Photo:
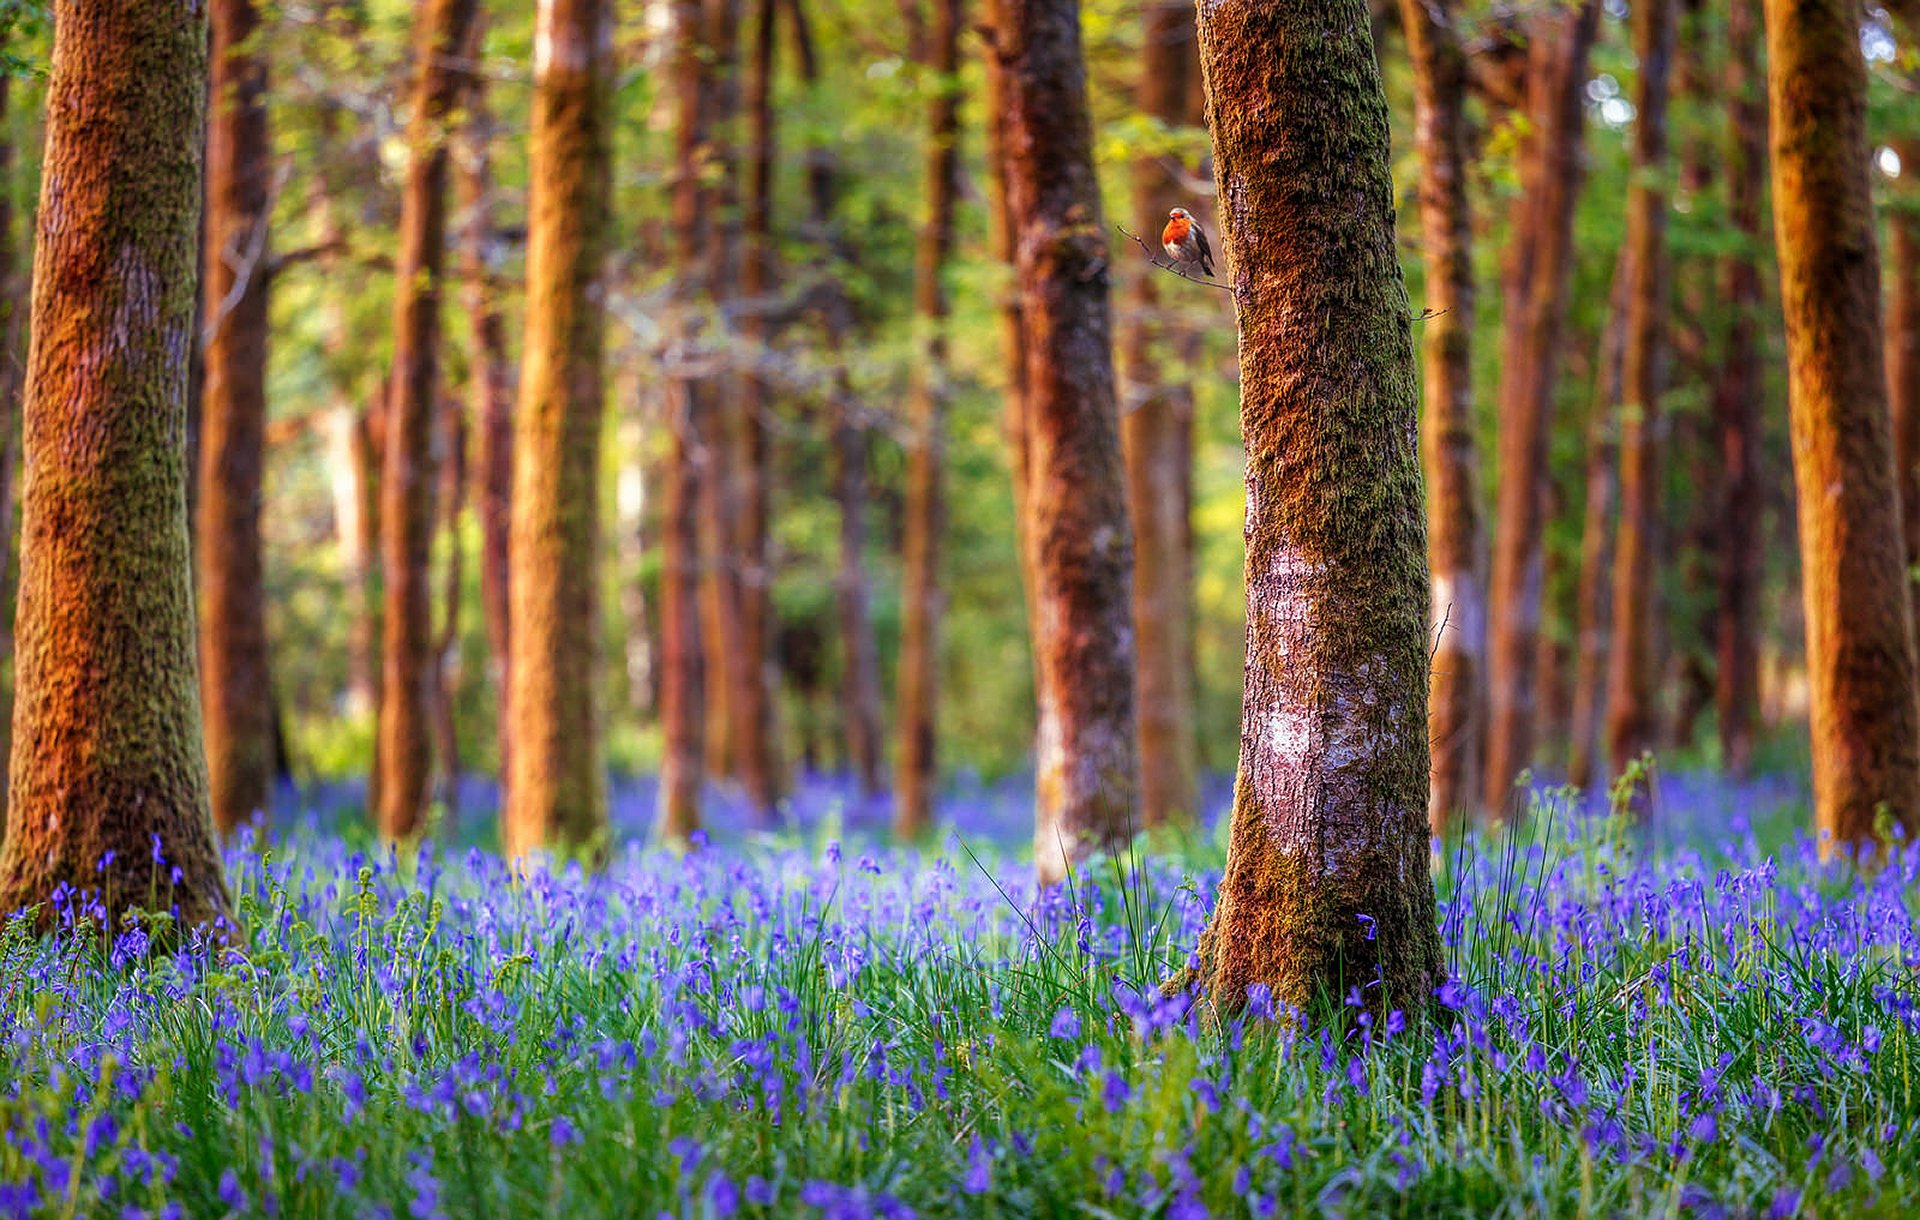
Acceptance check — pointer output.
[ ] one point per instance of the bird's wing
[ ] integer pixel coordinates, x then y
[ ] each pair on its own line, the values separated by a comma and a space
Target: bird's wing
1206, 251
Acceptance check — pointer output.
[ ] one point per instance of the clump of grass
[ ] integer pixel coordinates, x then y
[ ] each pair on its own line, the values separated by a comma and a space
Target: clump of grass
792, 1030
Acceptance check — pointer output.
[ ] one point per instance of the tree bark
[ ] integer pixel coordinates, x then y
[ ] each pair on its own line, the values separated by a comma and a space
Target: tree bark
556, 788
1456, 709
1087, 771
1633, 671
14, 293
1156, 433
922, 600
682, 668
236, 693
1860, 630
494, 383
1739, 400
1593, 635
1326, 882
1538, 269
403, 759
446, 644
108, 779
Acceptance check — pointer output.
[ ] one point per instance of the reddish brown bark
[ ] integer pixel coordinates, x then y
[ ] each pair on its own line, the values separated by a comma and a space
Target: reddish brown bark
1739, 399
1087, 776
1156, 432
446, 661
108, 775
1860, 630
1456, 709
1633, 670
556, 788
921, 600
403, 759
1326, 880
1593, 637
236, 694
1538, 268
13, 301
494, 380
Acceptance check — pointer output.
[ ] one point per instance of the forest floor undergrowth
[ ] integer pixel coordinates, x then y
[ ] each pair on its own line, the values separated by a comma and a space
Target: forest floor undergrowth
1705, 1020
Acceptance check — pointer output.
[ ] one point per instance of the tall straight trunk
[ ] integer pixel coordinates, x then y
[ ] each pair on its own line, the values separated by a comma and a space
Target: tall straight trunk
1739, 399
494, 380
921, 599
1456, 708
1593, 612
1538, 269
108, 780
682, 659
404, 754
556, 785
236, 694
1633, 671
1087, 776
1326, 881
1903, 340
13, 303
1156, 433
1860, 630
755, 745
446, 644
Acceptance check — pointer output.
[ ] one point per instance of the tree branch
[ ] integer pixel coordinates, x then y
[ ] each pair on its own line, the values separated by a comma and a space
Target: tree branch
1171, 267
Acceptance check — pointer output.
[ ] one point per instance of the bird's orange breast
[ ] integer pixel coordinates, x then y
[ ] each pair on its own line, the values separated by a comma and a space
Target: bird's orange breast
1175, 233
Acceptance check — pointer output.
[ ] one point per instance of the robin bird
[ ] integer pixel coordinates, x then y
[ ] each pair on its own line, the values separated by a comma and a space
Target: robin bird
1185, 242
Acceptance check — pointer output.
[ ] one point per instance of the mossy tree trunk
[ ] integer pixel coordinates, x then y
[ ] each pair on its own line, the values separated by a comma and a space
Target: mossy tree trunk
1456, 549
556, 790
107, 769
1156, 433
1326, 885
922, 600
682, 659
1739, 397
235, 690
1860, 630
404, 757
494, 380
1633, 671
1539, 266
1087, 769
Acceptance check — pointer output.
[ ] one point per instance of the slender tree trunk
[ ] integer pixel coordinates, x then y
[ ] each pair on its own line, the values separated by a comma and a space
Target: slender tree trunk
108, 778
494, 382
756, 753
1739, 399
236, 694
1860, 630
922, 600
1539, 266
1087, 776
1594, 609
556, 789
1456, 711
13, 305
682, 676
446, 645
403, 759
1633, 671
1156, 432
1326, 880
1903, 341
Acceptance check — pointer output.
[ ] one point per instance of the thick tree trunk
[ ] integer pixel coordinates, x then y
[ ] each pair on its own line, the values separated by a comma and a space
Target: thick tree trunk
755, 743
1087, 778
556, 787
1156, 432
494, 383
1456, 710
108, 778
1739, 399
1860, 630
403, 759
1538, 269
921, 600
1633, 671
682, 659
1593, 635
236, 694
14, 294
1326, 883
